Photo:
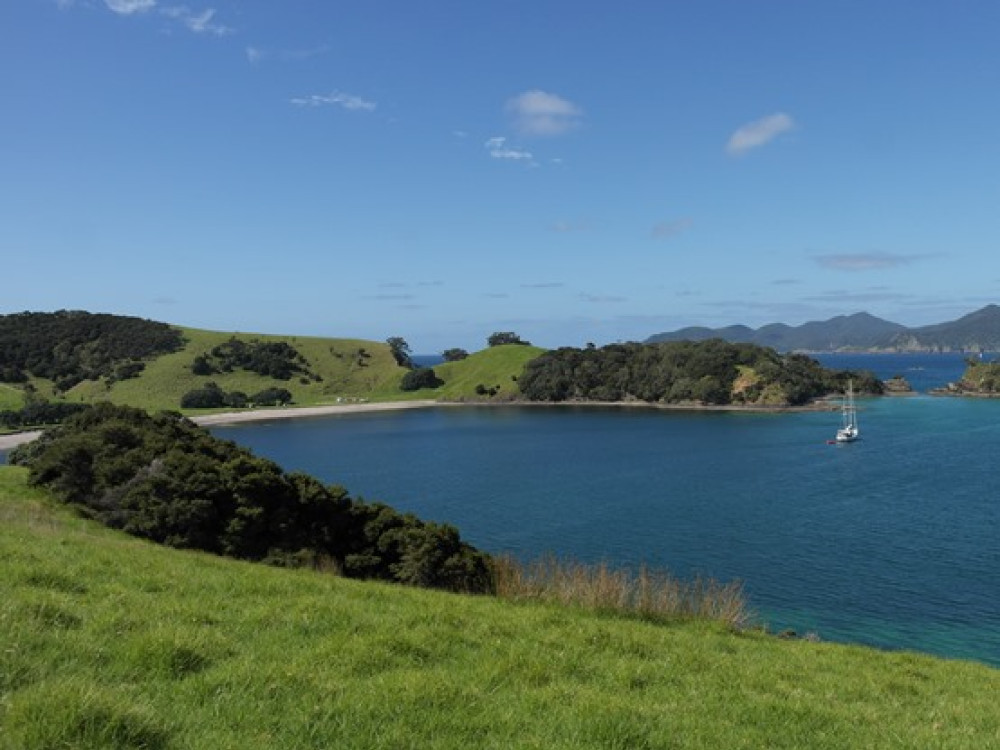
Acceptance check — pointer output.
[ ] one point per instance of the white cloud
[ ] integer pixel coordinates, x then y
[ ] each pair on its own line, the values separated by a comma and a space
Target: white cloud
498, 148
128, 7
757, 133
254, 55
200, 23
540, 113
336, 98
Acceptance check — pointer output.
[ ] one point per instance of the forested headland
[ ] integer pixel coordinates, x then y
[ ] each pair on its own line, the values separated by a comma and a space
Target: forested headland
712, 372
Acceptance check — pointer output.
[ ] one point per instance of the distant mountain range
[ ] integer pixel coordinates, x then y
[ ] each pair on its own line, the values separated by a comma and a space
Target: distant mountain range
976, 332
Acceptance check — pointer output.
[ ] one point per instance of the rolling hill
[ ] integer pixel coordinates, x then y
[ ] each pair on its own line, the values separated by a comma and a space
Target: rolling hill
325, 370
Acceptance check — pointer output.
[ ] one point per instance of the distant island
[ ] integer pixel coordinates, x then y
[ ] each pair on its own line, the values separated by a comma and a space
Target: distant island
978, 331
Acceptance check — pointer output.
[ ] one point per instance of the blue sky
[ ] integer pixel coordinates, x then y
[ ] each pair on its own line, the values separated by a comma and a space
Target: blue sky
571, 171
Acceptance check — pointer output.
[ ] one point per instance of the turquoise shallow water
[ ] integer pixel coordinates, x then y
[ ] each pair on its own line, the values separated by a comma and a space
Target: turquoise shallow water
891, 541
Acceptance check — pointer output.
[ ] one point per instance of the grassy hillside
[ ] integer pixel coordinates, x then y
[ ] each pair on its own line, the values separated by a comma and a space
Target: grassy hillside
348, 369
495, 367
110, 642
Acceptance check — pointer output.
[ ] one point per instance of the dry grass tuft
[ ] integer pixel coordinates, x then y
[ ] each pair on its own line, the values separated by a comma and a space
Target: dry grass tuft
650, 594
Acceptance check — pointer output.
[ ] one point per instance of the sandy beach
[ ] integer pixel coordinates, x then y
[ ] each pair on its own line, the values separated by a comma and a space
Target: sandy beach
12, 441
295, 412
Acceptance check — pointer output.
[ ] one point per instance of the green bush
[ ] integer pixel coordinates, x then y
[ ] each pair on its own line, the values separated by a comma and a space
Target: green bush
422, 377
163, 478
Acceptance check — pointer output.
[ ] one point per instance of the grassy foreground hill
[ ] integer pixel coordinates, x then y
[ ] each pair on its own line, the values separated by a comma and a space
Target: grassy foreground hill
110, 642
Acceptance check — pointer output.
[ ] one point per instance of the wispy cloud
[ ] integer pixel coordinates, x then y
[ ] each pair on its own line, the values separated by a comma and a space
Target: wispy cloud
498, 149
758, 133
335, 99
544, 285
785, 282
664, 230
601, 299
199, 23
128, 7
865, 261
538, 113
258, 54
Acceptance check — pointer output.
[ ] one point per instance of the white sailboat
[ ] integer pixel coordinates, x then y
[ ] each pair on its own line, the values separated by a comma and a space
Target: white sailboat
848, 431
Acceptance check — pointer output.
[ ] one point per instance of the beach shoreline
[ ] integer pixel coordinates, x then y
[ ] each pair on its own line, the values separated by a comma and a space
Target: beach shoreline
296, 412
17, 438
8, 442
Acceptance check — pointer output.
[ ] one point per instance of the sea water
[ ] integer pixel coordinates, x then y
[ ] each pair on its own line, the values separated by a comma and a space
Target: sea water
890, 541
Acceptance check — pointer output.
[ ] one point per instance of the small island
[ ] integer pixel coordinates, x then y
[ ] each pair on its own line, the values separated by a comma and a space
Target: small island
897, 385
980, 380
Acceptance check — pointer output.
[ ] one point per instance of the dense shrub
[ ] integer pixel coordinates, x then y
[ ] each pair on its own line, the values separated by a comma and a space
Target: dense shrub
163, 478
69, 347
211, 396
272, 397
273, 359
422, 377
39, 413
505, 337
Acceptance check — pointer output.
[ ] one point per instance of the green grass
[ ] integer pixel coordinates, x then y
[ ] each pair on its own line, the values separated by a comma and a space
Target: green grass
110, 642
495, 367
11, 397
346, 375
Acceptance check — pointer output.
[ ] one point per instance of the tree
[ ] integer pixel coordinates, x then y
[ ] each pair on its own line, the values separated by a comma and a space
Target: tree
271, 397
505, 337
454, 355
422, 377
400, 351
209, 397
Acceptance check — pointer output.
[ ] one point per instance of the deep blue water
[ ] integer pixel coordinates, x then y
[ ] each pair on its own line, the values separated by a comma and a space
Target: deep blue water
890, 541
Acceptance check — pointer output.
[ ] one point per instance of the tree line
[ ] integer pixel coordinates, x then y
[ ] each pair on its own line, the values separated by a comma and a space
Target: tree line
708, 372
211, 396
68, 347
163, 478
